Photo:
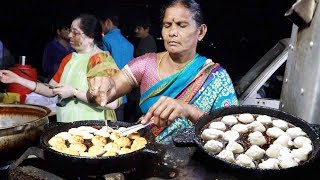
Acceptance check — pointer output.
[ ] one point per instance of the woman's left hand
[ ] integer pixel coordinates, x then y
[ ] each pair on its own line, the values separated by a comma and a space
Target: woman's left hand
64, 91
166, 110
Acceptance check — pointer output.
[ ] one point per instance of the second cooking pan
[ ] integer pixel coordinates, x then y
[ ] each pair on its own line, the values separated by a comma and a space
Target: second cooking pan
192, 137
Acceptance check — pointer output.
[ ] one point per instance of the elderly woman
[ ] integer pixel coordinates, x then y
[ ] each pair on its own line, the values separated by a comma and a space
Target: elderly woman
71, 80
177, 86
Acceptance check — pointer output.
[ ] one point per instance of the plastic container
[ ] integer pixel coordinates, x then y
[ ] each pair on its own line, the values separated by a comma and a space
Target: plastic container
27, 72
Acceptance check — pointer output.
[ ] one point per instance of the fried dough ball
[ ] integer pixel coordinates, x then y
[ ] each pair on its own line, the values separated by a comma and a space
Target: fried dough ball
64, 135
240, 128
114, 136
229, 120
275, 132
256, 126
284, 140
76, 139
112, 147
88, 129
234, 147
226, 155
276, 150
78, 147
125, 150
298, 142
271, 163
71, 152
211, 134
74, 131
141, 140
99, 141
280, 124
246, 118
295, 132
123, 142
136, 145
56, 141
264, 119
59, 147
96, 150
218, 125
102, 133
86, 154
134, 135
255, 152
109, 153
213, 146
244, 160
257, 138
86, 135
231, 135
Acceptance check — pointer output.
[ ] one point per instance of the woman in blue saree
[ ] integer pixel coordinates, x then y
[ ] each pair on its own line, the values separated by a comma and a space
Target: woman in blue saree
177, 86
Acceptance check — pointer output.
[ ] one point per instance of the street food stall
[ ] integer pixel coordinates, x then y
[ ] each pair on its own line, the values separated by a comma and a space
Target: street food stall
190, 157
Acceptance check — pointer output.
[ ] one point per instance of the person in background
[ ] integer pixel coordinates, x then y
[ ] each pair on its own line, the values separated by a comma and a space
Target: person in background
118, 46
70, 81
6, 60
177, 86
56, 50
147, 43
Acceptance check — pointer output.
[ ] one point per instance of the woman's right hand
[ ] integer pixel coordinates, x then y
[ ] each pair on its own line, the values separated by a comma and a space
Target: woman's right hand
100, 90
7, 76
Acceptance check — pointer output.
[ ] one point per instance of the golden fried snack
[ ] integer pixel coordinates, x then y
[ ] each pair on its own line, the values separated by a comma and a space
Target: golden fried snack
114, 136
134, 135
141, 140
112, 147
102, 133
74, 131
71, 152
123, 142
109, 153
64, 135
76, 139
56, 141
125, 150
96, 150
86, 135
86, 154
99, 141
136, 145
78, 147
88, 129
59, 147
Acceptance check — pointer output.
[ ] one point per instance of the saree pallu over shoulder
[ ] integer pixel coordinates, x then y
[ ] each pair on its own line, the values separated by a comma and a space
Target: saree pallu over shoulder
207, 88
172, 85
103, 64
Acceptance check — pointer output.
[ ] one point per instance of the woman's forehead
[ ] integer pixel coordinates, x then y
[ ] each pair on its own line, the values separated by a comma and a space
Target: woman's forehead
75, 24
177, 13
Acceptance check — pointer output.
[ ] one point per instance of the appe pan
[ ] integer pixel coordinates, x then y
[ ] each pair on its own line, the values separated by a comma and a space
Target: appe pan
153, 152
191, 137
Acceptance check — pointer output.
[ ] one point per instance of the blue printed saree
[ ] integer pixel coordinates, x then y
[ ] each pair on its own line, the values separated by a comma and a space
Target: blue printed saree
201, 82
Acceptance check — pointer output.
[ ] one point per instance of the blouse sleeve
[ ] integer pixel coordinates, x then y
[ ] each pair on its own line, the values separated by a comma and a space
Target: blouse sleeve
140, 66
58, 74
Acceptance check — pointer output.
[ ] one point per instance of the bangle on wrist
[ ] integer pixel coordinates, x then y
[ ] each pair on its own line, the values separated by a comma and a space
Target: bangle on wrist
35, 87
75, 92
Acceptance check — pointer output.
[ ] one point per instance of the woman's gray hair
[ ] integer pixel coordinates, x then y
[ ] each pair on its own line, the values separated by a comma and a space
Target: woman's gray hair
192, 5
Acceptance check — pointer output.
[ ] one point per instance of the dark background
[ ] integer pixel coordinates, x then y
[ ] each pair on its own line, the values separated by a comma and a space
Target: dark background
239, 31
